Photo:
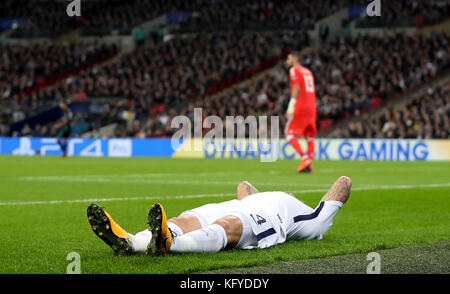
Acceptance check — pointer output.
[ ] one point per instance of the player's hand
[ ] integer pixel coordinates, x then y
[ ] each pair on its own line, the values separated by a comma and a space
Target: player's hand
291, 107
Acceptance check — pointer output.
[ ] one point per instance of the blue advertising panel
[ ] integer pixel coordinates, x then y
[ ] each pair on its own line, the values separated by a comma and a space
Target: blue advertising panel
334, 149
117, 147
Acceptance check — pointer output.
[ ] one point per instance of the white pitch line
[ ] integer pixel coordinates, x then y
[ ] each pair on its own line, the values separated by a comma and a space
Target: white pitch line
141, 175
114, 199
91, 179
383, 187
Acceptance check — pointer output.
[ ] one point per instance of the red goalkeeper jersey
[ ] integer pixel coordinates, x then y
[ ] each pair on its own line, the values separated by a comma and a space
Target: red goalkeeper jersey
304, 121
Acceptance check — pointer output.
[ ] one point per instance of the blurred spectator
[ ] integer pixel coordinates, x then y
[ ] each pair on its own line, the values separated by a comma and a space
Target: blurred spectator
323, 32
258, 14
425, 117
407, 13
27, 73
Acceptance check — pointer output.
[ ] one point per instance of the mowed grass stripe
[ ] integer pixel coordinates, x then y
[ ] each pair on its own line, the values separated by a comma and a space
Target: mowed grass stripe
210, 195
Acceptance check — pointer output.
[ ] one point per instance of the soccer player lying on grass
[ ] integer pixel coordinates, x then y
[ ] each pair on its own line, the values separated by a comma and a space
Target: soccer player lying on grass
253, 220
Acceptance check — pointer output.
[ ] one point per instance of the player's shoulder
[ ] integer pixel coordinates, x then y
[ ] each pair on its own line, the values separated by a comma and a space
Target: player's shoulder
298, 71
304, 70
295, 72
292, 71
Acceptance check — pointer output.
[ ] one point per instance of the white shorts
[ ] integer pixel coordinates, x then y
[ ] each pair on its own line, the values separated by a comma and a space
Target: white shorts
209, 213
258, 228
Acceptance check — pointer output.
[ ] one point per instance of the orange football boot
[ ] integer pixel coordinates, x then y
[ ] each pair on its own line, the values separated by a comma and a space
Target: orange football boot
103, 225
305, 163
308, 170
161, 235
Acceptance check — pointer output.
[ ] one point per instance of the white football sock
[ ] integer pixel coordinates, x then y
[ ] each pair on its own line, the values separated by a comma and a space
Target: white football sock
140, 241
210, 239
176, 230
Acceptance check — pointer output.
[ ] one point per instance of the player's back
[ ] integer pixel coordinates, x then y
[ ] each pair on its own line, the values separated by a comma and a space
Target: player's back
303, 77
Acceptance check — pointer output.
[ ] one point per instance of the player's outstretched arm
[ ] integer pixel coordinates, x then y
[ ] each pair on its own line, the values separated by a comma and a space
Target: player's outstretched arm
244, 189
340, 191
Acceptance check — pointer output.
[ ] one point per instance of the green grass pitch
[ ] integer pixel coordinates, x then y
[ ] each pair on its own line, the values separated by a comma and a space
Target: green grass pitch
43, 203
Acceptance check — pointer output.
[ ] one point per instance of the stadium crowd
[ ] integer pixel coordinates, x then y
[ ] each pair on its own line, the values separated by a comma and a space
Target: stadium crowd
28, 74
404, 13
164, 78
425, 117
368, 69
258, 14
37, 17
170, 73
49, 16
350, 74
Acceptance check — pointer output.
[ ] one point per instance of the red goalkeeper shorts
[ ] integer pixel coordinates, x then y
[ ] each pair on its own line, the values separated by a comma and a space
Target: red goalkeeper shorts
302, 125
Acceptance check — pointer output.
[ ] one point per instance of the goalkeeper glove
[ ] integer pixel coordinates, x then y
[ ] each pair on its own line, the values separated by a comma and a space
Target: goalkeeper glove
291, 107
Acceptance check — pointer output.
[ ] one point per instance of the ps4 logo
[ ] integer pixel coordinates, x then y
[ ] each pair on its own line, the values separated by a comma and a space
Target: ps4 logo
120, 148
374, 8
74, 8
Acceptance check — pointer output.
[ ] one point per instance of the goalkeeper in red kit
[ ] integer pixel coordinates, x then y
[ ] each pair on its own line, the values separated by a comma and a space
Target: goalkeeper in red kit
301, 110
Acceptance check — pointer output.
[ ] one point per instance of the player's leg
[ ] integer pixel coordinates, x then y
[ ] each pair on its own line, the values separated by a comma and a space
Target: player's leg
306, 164
183, 224
224, 232
203, 216
122, 242
311, 132
292, 139
60, 143
64, 147
177, 226
62, 140
310, 142
316, 224
296, 145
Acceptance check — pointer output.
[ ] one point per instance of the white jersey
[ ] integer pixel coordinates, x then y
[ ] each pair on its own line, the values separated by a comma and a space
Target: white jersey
274, 217
283, 211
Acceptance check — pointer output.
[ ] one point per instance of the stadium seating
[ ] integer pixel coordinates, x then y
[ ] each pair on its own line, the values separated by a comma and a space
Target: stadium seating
47, 18
258, 15
28, 74
405, 13
422, 117
270, 93
164, 78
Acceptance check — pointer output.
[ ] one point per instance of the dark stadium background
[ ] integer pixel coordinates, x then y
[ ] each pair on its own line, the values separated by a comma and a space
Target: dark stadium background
136, 64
